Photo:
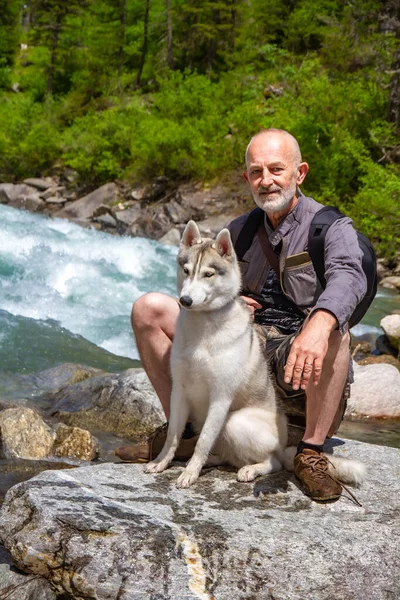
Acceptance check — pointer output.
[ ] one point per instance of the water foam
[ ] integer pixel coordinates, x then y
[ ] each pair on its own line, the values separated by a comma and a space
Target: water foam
85, 280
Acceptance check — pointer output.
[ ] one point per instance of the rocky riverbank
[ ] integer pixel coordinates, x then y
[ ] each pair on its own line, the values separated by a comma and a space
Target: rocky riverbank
158, 210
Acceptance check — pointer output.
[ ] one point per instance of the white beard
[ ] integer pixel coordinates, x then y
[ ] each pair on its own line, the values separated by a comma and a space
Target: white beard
278, 202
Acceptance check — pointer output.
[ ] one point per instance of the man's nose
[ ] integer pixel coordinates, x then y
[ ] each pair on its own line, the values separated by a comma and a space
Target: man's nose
266, 180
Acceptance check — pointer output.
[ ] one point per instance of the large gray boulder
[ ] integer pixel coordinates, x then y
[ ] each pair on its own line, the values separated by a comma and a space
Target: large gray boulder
110, 531
122, 403
85, 207
375, 392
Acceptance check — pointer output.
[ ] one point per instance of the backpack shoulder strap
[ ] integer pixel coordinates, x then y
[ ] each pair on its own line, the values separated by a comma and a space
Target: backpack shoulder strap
320, 224
248, 231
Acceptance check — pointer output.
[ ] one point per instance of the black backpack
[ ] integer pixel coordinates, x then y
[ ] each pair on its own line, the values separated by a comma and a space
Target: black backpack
320, 224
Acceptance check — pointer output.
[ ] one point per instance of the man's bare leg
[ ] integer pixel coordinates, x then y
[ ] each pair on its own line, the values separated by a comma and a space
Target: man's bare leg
153, 321
323, 400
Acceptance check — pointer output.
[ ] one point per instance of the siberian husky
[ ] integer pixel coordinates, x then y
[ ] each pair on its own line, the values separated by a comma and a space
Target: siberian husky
220, 373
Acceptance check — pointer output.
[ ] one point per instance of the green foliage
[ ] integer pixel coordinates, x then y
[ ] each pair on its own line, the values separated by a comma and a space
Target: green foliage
113, 95
376, 207
29, 139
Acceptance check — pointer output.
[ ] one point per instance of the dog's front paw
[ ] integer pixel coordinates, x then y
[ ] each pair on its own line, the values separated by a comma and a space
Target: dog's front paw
247, 473
155, 467
186, 479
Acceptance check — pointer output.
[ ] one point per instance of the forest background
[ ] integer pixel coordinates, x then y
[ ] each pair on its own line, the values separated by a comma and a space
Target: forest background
133, 89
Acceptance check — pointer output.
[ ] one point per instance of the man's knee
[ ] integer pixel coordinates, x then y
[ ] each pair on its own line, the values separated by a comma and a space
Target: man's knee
152, 309
339, 340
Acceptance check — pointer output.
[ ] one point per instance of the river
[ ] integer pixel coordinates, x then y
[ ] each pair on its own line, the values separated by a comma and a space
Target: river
66, 294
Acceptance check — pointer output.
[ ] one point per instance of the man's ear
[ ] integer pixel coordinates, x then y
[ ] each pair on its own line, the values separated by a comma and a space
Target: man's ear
223, 243
302, 171
245, 176
191, 235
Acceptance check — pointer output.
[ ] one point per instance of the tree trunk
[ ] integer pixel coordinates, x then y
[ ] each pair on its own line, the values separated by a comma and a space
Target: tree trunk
170, 58
145, 43
122, 18
233, 26
56, 29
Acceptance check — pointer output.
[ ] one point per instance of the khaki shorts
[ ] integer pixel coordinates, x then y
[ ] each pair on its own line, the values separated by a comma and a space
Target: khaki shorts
278, 347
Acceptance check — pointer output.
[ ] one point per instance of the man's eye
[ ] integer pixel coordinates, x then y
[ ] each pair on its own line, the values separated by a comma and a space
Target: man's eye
208, 274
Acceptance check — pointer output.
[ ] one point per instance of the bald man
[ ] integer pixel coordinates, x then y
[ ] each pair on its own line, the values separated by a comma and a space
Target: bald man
305, 326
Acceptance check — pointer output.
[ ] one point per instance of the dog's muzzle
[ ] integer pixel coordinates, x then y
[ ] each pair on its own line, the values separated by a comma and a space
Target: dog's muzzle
186, 301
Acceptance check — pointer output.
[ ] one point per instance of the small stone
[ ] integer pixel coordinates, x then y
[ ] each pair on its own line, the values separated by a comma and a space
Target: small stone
39, 184
128, 216
107, 220
74, 442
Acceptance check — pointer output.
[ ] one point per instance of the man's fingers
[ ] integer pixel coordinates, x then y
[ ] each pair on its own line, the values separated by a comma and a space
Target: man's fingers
317, 372
307, 370
289, 367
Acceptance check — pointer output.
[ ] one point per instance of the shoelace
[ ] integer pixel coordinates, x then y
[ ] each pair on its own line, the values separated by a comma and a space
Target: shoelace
319, 465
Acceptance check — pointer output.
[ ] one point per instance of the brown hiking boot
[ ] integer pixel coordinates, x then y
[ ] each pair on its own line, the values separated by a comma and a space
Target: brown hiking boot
150, 448
312, 470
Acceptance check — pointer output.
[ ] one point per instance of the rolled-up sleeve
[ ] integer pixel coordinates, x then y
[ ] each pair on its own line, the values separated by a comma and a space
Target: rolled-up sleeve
346, 283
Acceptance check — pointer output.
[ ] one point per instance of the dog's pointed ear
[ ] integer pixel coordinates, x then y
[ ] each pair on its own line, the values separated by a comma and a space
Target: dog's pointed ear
191, 235
223, 243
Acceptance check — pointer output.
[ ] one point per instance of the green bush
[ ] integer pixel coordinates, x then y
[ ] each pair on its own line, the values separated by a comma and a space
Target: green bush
29, 138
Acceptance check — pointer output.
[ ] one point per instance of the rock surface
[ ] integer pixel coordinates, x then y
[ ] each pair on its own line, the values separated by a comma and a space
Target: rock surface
85, 207
74, 442
124, 403
375, 392
112, 532
19, 586
391, 326
24, 434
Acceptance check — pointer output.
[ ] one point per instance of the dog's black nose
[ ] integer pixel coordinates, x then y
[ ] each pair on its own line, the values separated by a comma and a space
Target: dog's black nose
186, 301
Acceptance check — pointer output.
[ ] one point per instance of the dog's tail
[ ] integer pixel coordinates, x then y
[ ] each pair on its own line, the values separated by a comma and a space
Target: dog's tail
344, 469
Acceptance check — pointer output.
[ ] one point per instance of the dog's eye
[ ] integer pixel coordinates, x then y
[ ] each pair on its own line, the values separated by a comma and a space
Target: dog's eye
186, 270
208, 274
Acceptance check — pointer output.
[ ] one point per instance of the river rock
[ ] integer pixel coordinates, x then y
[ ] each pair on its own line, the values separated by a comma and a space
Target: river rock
392, 282
54, 379
213, 225
32, 203
85, 207
391, 326
125, 404
9, 192
379, 359
24, 434
375, 392
384, 346
172, 238
111, 531
74, 442
128, 216
39, 183
15, 585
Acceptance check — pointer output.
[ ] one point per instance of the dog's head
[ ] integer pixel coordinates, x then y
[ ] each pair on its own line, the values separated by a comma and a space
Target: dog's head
208, 271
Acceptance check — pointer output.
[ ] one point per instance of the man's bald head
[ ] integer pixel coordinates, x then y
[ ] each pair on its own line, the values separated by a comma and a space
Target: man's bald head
279, 136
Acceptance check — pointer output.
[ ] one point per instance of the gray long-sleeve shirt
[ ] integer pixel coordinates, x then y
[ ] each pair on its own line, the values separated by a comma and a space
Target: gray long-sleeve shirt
346, 282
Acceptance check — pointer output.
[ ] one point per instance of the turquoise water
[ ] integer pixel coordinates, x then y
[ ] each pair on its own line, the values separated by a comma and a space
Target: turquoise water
66, 292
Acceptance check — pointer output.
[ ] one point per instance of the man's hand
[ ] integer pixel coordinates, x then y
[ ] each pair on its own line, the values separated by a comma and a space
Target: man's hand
251, 303
309, 349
